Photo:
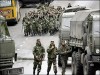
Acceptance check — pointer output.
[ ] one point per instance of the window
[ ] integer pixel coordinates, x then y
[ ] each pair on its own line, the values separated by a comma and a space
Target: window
5, 3
96, 27
66, 22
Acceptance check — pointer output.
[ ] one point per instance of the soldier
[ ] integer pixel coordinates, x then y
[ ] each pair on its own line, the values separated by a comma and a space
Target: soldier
33, 27
63, 9
29, 26
25, 23
64, 49
52, 50
40, 29
38, 53
69, 5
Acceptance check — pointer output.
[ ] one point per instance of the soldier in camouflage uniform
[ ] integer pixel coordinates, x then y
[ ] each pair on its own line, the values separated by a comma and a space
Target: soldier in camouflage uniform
51, 24
38, 53
40, 29
36, 22
28, 27
33, 27
64, 49
69, 5
52, 50
25, 23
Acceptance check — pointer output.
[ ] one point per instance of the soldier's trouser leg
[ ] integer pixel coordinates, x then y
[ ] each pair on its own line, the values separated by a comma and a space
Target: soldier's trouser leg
49, 66
63, 66
39, 67
34, 67
54, 66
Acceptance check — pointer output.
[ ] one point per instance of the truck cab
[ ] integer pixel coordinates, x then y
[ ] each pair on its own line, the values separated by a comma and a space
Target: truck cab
64, 31
85, 42
7, 45
7, 51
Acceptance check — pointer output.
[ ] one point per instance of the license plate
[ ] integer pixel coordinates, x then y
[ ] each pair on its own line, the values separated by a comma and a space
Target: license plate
13, 71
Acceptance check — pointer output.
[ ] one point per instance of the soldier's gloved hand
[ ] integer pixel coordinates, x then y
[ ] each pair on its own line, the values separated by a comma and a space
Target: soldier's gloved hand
36, 57
52, 47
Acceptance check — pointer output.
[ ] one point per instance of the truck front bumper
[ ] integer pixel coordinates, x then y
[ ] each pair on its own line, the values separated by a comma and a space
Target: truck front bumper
12, 71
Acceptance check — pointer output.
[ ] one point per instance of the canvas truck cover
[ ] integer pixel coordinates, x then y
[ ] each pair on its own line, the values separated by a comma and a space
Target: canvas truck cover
77, 22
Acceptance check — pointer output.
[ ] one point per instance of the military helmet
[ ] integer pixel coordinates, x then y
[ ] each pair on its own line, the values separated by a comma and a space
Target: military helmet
38, 40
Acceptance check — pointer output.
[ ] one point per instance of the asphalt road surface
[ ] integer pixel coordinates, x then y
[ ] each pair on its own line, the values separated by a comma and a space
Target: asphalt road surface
24, 45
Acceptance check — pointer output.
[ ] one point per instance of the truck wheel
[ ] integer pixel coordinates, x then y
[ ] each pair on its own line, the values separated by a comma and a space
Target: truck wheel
78, 66
88, 70
59, 62
73, 62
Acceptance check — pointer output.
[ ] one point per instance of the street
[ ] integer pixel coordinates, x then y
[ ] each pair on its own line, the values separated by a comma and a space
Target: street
24, 45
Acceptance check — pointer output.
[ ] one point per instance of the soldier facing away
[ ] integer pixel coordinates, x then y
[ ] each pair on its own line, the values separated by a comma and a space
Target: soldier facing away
64, 49
52, 51
38, 53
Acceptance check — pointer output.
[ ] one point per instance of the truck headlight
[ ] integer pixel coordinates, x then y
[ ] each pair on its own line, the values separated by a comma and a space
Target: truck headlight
97, 51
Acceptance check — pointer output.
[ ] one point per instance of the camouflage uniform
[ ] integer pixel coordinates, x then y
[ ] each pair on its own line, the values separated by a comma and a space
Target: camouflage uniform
63, 54
38, 53
25, 23
40, 29
33, 27
51, 25
52, 50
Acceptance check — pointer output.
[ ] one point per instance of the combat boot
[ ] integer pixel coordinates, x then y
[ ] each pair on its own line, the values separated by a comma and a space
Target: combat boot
38, 73
33, 72
55, 73
47, 73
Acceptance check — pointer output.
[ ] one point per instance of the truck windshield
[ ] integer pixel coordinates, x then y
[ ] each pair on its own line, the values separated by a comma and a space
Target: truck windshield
66, 22
5, 3
96, 27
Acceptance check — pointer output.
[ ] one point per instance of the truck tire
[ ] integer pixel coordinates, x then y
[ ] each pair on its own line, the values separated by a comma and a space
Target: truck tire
73, 62
78, 66
59, 61
84, 40
88, 70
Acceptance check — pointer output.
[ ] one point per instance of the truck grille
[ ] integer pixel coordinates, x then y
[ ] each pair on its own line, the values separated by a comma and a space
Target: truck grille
96, 58
5, 61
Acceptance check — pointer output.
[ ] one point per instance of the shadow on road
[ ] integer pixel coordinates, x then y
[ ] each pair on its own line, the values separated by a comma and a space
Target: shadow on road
11, 24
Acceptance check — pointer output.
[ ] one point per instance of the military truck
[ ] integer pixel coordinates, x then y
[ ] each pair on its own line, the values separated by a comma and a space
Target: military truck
85, 42
64, 29
7, 51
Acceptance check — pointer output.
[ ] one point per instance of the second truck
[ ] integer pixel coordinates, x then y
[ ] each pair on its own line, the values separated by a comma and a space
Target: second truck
7, 51
84, 42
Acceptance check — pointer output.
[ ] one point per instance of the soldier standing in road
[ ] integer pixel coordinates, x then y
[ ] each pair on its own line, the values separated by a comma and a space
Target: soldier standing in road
38, 53
69, 5
25, 23
64, 49
52, 50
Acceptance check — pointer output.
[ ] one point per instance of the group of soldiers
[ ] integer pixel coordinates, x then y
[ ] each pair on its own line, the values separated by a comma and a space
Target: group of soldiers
45, 19
39, 54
